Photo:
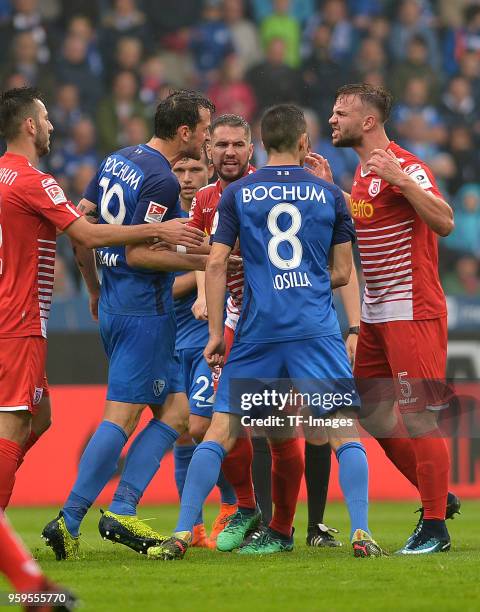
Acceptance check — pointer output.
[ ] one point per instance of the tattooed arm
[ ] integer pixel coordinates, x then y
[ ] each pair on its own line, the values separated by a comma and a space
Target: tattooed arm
85, 258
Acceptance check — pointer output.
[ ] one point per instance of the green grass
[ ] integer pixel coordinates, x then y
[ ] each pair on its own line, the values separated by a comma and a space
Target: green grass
113, 578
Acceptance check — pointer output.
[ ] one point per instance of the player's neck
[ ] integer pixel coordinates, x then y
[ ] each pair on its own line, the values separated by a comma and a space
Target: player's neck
374, 141
169, 149
185, 205
283, 159
25, 150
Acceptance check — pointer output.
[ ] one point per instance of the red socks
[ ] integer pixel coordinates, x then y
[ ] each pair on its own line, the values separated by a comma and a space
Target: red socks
433, 465
287, 472
399, 449
237, 467
10, 455
16, 563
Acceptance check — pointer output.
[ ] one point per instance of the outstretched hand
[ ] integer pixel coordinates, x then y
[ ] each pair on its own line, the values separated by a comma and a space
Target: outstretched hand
176, 231
319, 166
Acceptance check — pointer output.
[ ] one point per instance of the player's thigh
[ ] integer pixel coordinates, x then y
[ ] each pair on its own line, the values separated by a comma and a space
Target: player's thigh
251, 370
142, 365
22, 367
417, 353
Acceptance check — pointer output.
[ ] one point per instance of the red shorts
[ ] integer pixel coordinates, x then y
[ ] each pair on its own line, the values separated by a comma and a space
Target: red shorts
409, 358
22, 373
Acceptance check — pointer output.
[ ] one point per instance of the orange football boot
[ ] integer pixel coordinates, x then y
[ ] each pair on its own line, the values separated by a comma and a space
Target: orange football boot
199, 536
219, 524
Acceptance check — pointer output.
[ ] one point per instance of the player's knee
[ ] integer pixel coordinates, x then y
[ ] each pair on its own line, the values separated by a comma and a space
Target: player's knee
197, 429
224, 430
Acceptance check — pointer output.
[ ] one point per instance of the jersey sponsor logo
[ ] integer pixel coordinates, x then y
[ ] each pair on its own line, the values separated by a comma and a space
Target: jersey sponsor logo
374, 187
158, 387
155, 212
281, 193
107, 259
421, 178
289, 280
37, 395
361, 209
411, 168
55, 193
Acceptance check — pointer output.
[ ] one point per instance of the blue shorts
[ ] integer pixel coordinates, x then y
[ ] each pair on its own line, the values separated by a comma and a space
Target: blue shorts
318, 368
143, 368
198, 381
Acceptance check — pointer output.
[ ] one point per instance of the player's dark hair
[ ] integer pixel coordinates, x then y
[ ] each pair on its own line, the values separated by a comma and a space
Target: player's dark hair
234, 121
16, 105
180, 107
281, 127
376, 96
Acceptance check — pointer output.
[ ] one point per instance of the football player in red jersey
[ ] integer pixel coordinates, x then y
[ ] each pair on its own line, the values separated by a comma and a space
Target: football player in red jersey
398, 212
32, 207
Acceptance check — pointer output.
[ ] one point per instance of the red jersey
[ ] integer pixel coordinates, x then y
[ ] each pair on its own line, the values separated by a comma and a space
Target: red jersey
398, 250
32, 206
202, 214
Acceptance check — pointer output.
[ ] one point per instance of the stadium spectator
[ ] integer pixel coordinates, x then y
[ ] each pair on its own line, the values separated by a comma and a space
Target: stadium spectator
25, 61
175, 14
244, 34
210, 41
128, 56
282, 25
464, 151
136, 131
465, 280
302, 10
273, 81
232, 94
462, 39
370, 58
415, 65
177, 60
115, 110
334, 14
65, 111
411, 22
26, 17
78, 150
73, 67
465, 239
82, 26
469, 68
458, 103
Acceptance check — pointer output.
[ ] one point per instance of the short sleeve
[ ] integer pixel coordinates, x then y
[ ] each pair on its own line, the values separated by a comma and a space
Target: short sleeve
343, 230
48, 199
226, 226
422, 175
158, 202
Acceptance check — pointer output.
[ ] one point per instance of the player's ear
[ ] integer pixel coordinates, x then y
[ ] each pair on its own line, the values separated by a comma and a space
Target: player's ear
211, 170
184, 132
250, 151
304, 143
369, 123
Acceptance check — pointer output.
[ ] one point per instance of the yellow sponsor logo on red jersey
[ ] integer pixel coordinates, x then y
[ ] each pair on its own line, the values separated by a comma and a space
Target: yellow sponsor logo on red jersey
361, 209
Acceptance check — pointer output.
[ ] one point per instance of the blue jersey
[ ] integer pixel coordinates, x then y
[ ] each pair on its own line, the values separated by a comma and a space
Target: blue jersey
191, 333
287, 221
134, 185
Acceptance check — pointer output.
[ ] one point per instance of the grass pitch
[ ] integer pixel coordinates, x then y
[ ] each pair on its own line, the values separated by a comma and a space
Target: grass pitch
112, 578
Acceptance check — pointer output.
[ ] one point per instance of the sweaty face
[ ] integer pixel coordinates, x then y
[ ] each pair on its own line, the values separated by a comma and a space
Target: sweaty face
192, 174
194, 147
231, 152
347, 121
44, 129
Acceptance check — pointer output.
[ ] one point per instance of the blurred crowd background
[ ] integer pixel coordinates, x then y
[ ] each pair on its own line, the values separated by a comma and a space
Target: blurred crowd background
103, 64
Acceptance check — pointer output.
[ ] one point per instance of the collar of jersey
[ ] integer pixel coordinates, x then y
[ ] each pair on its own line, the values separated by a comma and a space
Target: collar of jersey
149, 149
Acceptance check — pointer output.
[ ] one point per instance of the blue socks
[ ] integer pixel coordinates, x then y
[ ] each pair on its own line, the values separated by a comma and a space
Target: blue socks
98, 464
353, 476
141, 465
183, 456
202, 475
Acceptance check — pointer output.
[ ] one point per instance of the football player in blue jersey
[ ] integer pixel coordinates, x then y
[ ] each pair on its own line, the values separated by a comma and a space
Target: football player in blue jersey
295, 239
137, 323
192, 337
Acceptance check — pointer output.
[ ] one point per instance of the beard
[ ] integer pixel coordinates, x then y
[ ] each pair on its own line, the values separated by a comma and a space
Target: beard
348, 141
42, 144
230, 178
